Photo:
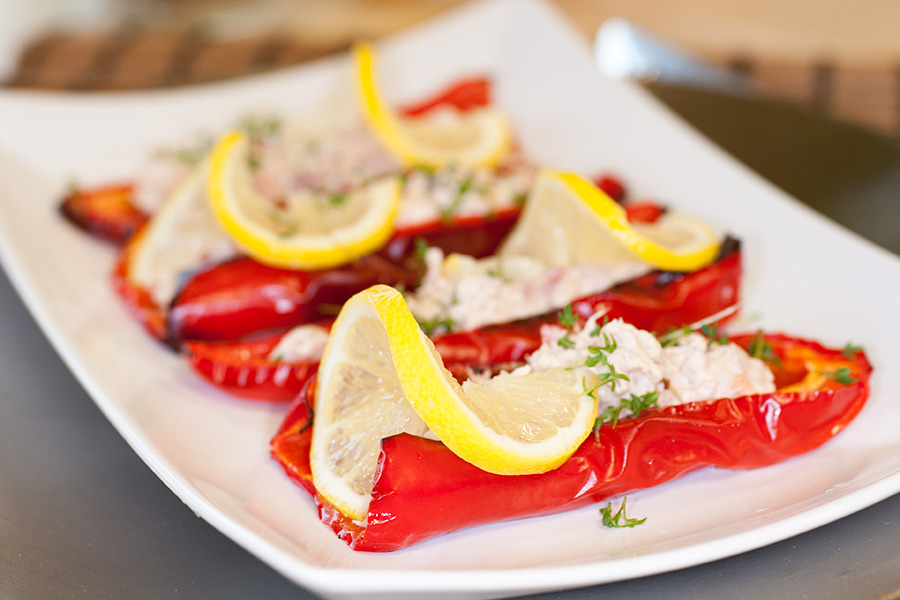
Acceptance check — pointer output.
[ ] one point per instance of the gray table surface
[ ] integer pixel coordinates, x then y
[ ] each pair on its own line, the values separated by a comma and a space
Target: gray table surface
82, 517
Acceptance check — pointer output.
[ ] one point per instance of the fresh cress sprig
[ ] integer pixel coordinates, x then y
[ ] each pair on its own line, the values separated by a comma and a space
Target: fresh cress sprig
618, 519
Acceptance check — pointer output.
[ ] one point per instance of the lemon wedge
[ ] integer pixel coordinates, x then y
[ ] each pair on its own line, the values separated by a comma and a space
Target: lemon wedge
380, 376
480, 137
568, 220
305, 231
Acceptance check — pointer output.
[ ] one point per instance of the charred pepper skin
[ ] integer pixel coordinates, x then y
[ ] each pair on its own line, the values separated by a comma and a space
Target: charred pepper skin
107, 212
423, 490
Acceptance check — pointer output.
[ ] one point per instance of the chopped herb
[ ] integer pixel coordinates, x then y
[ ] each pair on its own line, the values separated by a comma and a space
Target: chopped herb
466, 186
618, 519
448, 212
187, 156
712, 332
256, 126
566, 342
519, 199
851, 350
421, 246
596, 331
430, 326
498, 271
72, 186
636, 404
566, 317
841, 375
253, 160
337, 199
761, 349
597, 354
611, 377
671, 337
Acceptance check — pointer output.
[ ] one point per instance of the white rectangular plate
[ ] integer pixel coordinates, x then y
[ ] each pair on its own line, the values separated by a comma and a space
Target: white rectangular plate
804, 275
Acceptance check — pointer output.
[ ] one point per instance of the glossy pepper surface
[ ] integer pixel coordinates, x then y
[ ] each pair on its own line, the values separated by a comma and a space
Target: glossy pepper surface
657, 302
423, 490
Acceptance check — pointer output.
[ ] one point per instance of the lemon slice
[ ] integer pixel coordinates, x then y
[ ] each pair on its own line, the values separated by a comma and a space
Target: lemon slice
380, 376
181, 236
568, 220
305, 231
480, 137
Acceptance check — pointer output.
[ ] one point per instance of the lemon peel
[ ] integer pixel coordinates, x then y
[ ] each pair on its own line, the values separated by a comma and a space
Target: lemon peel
479, 137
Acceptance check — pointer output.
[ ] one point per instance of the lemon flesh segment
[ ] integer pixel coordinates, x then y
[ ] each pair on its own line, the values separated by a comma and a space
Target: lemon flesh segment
567, 220
380, 375
181, 236
359, 401
478, 137
307, 230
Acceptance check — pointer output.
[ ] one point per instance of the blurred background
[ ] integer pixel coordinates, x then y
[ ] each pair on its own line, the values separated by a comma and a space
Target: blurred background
836, 57
804, 92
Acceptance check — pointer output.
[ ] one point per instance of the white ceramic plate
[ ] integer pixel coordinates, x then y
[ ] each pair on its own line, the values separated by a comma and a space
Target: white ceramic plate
804, 275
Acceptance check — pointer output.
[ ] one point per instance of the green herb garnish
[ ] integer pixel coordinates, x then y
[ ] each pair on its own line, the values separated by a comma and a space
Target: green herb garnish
671, 337
597, 354
841, 375
421, 246
761, 349
567, 317
257, 126
618, 519
566, 342
851, 350
713, 334
429, 326
636, 404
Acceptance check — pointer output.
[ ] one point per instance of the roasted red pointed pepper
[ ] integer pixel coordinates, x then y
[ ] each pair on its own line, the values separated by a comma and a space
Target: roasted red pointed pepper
106, 212
423, 490
236, 299
243, 297
656, 302
244, 368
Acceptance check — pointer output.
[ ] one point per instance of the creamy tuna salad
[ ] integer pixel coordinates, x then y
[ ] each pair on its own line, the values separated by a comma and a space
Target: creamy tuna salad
287, 163
631, 367
460, 293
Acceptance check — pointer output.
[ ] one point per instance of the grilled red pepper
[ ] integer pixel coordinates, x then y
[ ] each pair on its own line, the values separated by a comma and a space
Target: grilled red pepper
244, 368
137, 299
239, 298
423, 490
107, 212
243, 297
656, 302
